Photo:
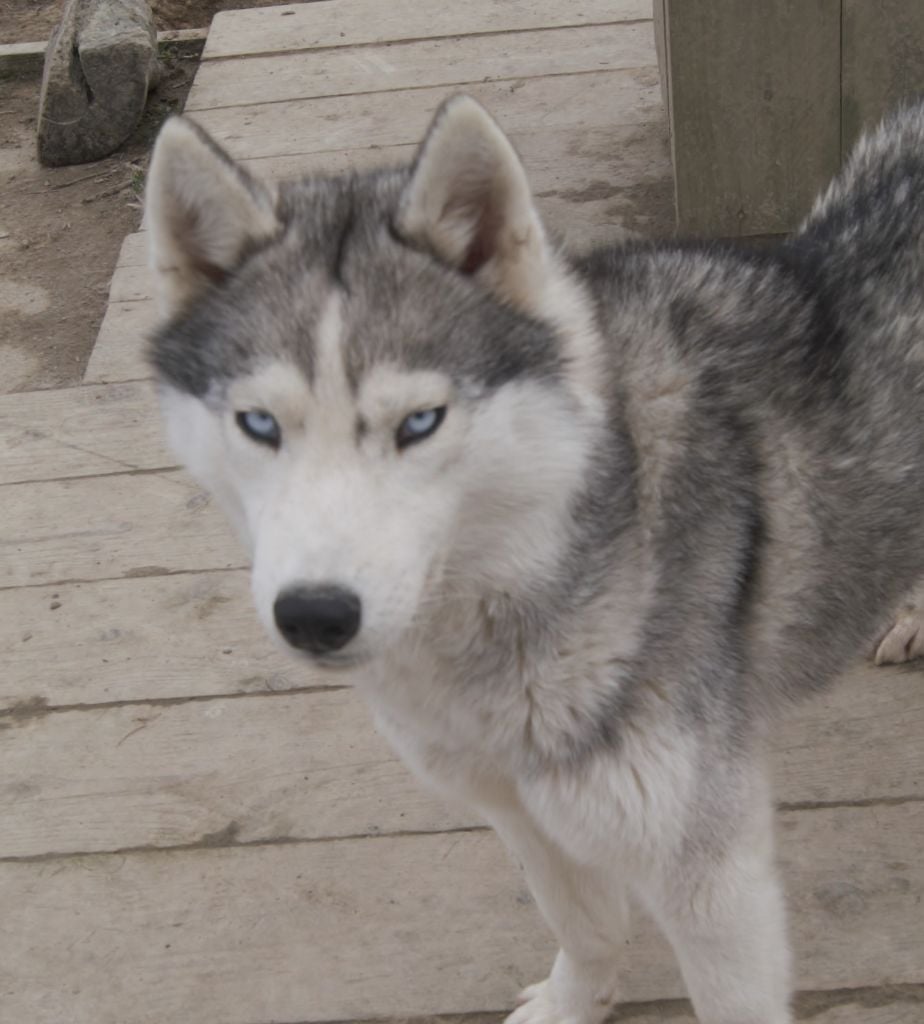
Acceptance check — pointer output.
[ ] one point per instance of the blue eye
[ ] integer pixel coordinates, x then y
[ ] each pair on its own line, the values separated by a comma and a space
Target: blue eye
419, 425
260, 426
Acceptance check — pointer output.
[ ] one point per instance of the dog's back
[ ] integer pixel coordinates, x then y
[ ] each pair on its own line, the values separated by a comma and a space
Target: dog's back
775, 401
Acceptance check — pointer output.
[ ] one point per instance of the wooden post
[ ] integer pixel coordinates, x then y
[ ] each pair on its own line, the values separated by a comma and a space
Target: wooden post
883, 60
754, 107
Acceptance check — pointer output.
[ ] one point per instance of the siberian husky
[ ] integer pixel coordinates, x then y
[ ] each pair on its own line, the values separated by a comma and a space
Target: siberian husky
577, 527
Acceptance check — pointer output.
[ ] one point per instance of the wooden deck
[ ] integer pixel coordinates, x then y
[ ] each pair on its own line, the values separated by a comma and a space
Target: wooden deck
191, 829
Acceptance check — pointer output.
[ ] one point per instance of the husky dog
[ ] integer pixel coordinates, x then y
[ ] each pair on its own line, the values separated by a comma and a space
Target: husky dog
578, 528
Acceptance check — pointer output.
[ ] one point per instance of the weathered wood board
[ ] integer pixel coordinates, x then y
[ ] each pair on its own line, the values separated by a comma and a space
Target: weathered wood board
856, 1006
899, 1005
131, 283
363, 22
80, 431
883, 61
140, 638
118, 354
309, 765
449, 63
299, 766
582, 102
384, 926
134, 251
755, 127
295, 766
130, 524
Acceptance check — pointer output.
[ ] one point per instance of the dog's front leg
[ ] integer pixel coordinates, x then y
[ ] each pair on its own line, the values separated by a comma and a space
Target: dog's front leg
586, 910
722, 910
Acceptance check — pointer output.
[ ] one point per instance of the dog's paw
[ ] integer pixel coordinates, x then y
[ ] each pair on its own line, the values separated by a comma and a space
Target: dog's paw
538, 1005
905, 640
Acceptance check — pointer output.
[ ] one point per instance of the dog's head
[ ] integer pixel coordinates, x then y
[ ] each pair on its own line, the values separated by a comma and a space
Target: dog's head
385, 379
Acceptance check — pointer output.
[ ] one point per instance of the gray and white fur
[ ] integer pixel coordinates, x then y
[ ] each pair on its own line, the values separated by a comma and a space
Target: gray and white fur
577, 527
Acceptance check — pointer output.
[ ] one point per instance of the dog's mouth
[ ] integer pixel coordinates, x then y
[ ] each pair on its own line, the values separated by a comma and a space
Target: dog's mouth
339, 661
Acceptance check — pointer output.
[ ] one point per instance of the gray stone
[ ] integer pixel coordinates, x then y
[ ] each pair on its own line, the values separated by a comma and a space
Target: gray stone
100, 60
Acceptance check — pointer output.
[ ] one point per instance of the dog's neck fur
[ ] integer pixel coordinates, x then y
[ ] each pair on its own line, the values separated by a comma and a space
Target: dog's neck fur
523, 645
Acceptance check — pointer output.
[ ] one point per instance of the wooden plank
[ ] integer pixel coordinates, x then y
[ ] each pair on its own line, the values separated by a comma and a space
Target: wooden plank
445, 62
110, 526
131, 283
575, 102
360, 22
134, 251
858, 1006
885, 1005
404, 926
750, 152
592, 187
883, 60
310, 765
21, 59
623, 156
859, 740
118, 354
80, 431
659, 24
568, 169
295, 766
189, 635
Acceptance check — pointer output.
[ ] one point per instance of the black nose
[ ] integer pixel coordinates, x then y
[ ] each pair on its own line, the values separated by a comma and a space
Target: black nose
318, 619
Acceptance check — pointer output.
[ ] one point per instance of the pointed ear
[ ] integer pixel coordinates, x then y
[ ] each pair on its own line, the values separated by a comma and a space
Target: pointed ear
469, 202
204, 212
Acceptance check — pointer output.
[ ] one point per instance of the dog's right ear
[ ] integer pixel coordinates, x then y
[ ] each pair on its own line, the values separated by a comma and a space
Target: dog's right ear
469, 202
204, 212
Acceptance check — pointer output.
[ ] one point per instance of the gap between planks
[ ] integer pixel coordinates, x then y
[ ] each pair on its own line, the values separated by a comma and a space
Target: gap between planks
447, 64
889, 1004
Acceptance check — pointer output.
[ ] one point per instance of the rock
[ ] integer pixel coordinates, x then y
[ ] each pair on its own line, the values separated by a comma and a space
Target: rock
99, 63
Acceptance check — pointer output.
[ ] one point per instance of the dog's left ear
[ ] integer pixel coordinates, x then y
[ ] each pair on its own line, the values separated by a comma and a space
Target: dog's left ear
469, 202
204, 212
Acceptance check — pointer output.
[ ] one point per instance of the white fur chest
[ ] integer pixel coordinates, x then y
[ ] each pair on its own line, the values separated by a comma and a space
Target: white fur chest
477, 698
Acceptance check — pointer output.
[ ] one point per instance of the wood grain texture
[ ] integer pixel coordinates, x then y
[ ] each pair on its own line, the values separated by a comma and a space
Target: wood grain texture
118, 354
361, 22
583, 102
111, 526
448, 63
140, 638
858, 1006
293, 766
134, 250
861, 1007
883, 61
310, 765
132, 282
404, 926
756, 126
80, 431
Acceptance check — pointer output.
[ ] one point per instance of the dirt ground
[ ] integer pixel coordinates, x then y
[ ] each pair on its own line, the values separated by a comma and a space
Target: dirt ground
61, 228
